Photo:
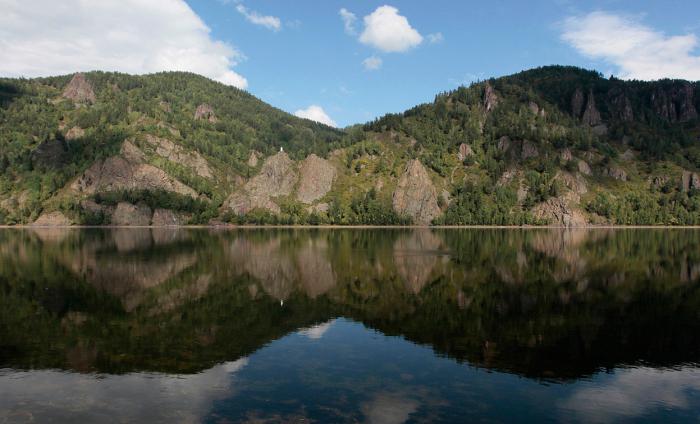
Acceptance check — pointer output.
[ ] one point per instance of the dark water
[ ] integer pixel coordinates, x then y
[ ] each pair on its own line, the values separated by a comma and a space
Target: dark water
379, 326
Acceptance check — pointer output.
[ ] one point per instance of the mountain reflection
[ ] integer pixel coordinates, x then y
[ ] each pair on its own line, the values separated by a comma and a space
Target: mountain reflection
542, 303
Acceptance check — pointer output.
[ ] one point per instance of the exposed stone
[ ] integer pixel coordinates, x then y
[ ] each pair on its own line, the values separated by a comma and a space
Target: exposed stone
616, 173
658, 181
690, 181
316, 177
253, 159
131, 153
675, 104
503, 143
175, 153
591, 116
127, 214
577, 103
319, 208
577, 184
490, 98
52, 219
51, 154
529, 150
205, 111
125, 172
566, 155
556, 211
584, 168
415, 195
79, 90
600, 130
622, 107
277, 177
74, 133
167, 218
627, 156
464, 152
534, 108
165, 106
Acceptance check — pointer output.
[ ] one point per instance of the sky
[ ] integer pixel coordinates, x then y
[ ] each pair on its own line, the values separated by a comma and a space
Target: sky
343, 62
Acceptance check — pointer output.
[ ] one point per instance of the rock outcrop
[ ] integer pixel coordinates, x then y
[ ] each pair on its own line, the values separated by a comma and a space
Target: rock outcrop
556, 211
277, 177
175, 153
51, 154
584, 168
690, 181
127, 214
621, 106
205, 111
616, 173
167, 218
253, 159
415, 194
316, 177
675, 104
127, 172
490, 98
52, 219
591, 116
79, 90
577, 103
528, 150
464, 152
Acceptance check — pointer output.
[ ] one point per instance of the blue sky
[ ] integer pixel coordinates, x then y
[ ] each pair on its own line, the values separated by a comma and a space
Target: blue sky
394, 55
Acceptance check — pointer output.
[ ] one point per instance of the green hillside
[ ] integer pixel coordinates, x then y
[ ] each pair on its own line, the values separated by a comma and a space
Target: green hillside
553, 145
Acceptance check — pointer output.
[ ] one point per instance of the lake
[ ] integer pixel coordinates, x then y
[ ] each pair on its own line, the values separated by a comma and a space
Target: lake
349, 325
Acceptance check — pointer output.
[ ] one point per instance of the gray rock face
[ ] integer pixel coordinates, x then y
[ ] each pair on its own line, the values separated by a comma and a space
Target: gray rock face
127, 214
676, 103
690, 181
529, 150
622, 107
51, 154
591, 116
175, 153
577, 103
52, 219
277, 177
584, 168
79, 90
126, 172
616, 173
205, 111
556, 211
167, 218
490, 98
415, 194
253, 159
464, 152
316, 177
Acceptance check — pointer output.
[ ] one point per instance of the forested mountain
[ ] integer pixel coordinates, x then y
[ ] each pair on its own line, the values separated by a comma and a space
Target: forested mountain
557, 145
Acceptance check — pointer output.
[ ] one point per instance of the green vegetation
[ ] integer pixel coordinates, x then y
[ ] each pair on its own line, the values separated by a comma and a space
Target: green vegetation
535, 140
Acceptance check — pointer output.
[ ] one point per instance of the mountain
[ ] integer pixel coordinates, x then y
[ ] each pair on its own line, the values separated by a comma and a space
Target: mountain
553, 145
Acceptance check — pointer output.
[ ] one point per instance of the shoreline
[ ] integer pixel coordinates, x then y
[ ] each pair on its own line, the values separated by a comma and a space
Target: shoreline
355, 227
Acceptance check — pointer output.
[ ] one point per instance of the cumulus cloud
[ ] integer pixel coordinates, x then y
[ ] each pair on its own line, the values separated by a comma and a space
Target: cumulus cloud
435, 38
316, 113
349, 19
270, 22
388, 31
639, 52
372, 63
48, 37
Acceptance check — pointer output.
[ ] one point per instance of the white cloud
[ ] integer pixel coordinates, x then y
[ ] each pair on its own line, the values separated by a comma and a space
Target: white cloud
372, 63
349, 19
316, 113
48, 37
435, 38
633, 394
388, 31
639, 52
270, 22
317, 331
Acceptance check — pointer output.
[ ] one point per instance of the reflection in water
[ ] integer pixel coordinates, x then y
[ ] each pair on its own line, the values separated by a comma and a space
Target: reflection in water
300, 324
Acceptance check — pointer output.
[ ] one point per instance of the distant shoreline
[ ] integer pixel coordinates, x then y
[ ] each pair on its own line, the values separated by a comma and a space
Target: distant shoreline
356, 227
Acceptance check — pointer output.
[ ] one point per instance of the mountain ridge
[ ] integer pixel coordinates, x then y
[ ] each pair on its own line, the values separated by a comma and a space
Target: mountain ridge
551, 145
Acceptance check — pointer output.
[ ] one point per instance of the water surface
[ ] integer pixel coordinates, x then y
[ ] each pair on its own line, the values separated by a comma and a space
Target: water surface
349, 325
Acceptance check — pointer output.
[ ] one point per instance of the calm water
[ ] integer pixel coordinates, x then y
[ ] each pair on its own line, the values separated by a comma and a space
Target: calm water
378, 326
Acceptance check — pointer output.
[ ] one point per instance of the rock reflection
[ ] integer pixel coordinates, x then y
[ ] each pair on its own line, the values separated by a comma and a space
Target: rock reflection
543, 303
